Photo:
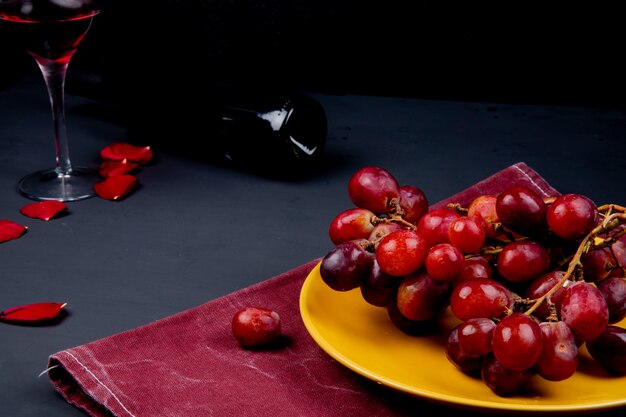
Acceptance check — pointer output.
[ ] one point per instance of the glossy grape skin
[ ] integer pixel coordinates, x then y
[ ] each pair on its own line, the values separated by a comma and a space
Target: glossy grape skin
383, 229
572, 216
444, 262
467, 234
522, 261
598, 264
560, 253
522, 211
434, 225
420, 297
501, 380
466, 364
256, 326
516, 341
480, 297
476, 267
408, 326
413, 203
609, 349
614, 292
475, 336
483, 208
540, 286
345, 266
375, 189
584, 310
559, 355
379, 289
351, 224
401, 253
619, 251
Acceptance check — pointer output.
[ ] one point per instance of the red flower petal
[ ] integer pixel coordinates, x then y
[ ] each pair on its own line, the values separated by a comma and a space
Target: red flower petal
32, 312
10, 230
111, 168
115, 188
44, 210
119, 151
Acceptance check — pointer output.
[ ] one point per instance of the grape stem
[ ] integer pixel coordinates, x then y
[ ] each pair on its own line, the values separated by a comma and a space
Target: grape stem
396, 218
458, 208
609, 207
611, 221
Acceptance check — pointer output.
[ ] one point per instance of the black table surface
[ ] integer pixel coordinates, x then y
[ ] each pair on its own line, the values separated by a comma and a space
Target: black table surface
196, 230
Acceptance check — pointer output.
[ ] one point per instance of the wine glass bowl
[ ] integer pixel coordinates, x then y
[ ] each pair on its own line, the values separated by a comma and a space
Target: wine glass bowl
51, 32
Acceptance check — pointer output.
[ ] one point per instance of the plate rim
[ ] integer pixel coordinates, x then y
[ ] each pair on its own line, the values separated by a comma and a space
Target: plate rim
445, 399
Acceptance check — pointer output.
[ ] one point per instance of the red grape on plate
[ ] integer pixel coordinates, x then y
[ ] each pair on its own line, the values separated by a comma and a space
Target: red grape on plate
609, 349
540, 286
350, 224
378, 288
614, 292
413, 203
522, 211
420, 297
501, 380
345, 266
444, 262
464, 362
532, 278
408, 326
483, 209
517, 341
523, 260
375, 189
435, 224
480, 297
402, 252
598, 264
475, 336
476, 267
572, 216
383, 229
584, 309
559, 355
467, 234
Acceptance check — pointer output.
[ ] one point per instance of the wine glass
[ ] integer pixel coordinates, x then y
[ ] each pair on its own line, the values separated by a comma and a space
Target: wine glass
51, 31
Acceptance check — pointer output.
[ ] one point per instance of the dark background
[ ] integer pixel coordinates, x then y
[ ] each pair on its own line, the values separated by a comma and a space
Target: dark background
195, 231
566, 53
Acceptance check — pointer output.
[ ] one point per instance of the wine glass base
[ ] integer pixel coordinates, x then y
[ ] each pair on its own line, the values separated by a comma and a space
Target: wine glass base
49, 184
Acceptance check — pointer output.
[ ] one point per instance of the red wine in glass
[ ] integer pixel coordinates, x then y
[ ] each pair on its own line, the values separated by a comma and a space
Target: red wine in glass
51, 31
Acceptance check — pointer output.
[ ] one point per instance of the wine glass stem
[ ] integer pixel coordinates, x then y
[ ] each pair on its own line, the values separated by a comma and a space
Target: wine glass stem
54, 72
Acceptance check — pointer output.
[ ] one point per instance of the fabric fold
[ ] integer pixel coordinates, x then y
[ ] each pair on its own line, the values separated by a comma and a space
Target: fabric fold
189, 365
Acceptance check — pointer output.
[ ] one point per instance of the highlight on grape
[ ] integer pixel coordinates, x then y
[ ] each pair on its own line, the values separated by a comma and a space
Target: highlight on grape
530, 279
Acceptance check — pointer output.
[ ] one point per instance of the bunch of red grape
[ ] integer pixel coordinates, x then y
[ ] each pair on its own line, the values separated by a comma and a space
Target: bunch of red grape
530, 279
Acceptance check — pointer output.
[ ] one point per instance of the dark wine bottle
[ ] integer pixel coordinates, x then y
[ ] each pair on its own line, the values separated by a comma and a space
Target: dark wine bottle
250, 126
288, 128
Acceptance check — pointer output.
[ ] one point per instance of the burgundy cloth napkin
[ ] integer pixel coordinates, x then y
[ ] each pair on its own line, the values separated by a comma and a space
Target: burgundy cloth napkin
189, 365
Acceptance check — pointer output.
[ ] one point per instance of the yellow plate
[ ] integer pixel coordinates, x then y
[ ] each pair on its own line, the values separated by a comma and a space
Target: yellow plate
362, 337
